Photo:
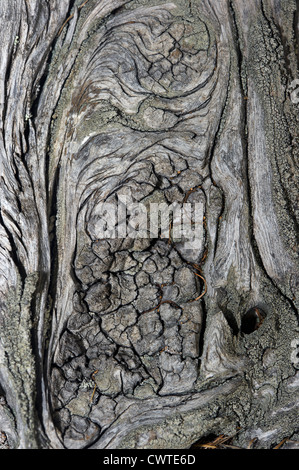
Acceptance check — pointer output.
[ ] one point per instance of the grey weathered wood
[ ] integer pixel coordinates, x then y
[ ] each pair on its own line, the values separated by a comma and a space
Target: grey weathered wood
173, 101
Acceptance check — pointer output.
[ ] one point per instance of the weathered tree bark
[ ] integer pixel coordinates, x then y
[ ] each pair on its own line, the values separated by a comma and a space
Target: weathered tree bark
109, 343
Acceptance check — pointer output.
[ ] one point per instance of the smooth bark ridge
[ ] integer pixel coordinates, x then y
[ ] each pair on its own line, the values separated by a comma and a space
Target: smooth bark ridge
138, 343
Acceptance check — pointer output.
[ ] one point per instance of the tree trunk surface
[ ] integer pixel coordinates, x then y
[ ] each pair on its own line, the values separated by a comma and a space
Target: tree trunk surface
129, 342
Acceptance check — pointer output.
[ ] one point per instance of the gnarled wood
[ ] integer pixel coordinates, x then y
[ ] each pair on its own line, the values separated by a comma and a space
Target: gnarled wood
137, 343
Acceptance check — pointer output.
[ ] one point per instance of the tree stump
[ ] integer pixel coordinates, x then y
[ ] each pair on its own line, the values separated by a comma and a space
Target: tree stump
122, 342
